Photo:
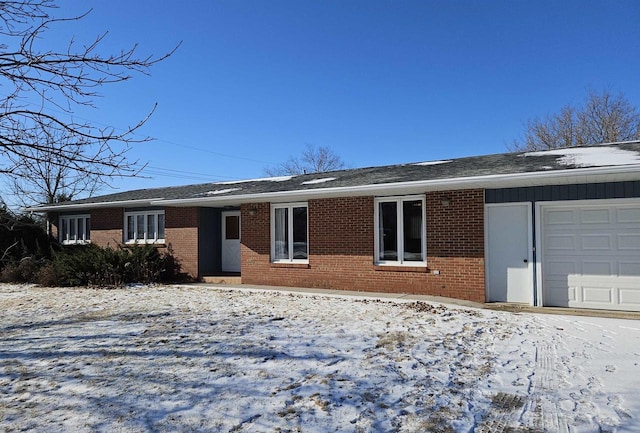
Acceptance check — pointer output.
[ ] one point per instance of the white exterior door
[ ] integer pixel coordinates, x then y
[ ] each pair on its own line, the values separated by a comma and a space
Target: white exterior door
591, 254
508, 243
231, 241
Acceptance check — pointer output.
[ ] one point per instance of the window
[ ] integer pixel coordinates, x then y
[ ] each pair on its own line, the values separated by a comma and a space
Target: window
144, 227
400, 234
75, 229
289, 236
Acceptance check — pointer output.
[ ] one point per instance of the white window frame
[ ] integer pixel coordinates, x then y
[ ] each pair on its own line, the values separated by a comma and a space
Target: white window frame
399, 200
289, 207
146, 239
77, 220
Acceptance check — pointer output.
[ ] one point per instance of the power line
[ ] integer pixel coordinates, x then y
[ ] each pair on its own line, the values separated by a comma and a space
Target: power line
186, 146
181, 174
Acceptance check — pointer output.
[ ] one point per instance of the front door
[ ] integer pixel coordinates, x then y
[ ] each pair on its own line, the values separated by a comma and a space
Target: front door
231, 241
509, 271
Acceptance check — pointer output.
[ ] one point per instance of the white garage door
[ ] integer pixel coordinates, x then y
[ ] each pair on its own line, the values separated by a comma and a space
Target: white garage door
591, 255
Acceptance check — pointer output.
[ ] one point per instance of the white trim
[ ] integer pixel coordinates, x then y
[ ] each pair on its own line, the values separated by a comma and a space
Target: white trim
289, 228
68, 217
539, 224
530, 267
400, 233
146, 240
80, 206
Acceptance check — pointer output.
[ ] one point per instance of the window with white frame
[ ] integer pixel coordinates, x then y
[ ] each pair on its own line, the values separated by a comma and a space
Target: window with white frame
289, 234
400, 233
74, 229
144, 227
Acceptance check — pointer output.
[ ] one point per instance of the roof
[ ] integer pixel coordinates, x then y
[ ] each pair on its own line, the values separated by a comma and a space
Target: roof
606, 162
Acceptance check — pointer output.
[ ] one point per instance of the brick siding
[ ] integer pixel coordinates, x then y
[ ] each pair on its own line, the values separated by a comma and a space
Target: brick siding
341, 248
181, 233
106, 226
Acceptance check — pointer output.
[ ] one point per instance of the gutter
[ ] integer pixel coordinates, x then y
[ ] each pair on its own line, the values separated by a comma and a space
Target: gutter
80, 206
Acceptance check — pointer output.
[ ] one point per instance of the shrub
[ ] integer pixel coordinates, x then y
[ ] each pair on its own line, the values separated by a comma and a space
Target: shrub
23, 271
105, 267
22, 236
91, 265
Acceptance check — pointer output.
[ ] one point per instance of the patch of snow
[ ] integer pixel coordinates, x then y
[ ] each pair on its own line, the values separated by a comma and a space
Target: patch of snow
433, 162
198, 359
316, 181
592, 156
263, 179
223, 191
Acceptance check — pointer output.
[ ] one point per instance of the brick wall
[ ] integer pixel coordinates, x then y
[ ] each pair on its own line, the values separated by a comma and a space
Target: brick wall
106, 226
341, 248
181, 234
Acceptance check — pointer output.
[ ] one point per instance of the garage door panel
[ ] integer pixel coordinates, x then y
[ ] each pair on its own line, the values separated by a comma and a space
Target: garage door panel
630, 215
595, 216
630, 296
629, 241
561, 242
629, 269
555, 217
601, 267
591, 255
562, 268
601, 242
597, 295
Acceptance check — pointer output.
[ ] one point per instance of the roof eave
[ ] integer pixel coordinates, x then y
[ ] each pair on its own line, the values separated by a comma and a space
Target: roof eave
81, 206
578, 175
574, 175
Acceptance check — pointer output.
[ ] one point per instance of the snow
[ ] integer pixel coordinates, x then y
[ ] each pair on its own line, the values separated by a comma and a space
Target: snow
316, 181
172, 358
223, 191
263, 179
592, 156
432, 162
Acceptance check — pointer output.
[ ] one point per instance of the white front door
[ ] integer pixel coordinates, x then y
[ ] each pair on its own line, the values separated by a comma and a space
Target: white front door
508, 240
231, 241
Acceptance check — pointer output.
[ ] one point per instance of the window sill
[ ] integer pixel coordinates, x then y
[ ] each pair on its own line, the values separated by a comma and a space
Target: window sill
402, 268
290, 265
155, 244
65, 243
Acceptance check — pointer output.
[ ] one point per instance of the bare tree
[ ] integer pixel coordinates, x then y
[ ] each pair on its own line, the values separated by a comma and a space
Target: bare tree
603, 118
42, 88
45, 177
313, 160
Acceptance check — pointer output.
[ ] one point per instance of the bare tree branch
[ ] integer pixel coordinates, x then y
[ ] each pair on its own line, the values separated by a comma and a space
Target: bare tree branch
603, 118
62, 81
313, 160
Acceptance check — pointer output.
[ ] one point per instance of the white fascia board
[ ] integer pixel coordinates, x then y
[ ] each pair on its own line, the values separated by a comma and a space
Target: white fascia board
489, 181
82, 206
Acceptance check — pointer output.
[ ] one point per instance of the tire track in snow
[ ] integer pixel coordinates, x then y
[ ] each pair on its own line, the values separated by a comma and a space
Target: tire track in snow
544, 391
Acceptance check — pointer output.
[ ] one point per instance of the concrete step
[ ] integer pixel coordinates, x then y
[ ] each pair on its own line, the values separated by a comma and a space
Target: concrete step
222, 279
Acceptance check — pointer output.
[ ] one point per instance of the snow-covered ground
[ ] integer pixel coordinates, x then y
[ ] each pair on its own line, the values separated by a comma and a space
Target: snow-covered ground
183, 359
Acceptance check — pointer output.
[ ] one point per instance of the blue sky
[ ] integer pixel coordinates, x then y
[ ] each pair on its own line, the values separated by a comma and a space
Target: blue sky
379, 82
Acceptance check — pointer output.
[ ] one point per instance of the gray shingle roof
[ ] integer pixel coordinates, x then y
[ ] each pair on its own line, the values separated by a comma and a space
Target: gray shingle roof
626, 156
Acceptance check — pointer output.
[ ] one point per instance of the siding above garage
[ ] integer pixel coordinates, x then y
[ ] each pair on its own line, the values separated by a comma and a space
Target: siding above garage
584, 191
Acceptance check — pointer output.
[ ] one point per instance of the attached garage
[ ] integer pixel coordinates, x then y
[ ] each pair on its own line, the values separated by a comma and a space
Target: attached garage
590, 254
